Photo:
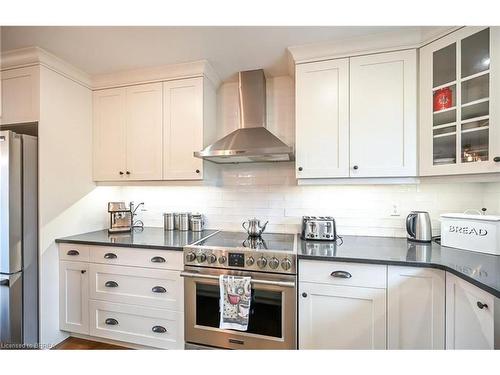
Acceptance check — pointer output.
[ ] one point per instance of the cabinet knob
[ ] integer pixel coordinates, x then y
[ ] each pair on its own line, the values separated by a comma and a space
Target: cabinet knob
110, 256
496, 159
121, 173
300, 169
73, 253
482, 305
355, 167
304, 295
197, 171
83, 271
128, 172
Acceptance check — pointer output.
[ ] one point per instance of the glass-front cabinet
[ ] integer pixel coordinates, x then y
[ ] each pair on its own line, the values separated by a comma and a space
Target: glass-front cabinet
459, 103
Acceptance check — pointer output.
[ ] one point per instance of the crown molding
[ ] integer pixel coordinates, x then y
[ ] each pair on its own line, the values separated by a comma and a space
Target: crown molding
201, 68
31, 56
368, 44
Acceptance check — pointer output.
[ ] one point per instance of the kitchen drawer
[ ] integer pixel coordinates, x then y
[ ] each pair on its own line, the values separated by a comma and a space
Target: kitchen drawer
137, 286
354, 274
135, 324
125, 256
74, 253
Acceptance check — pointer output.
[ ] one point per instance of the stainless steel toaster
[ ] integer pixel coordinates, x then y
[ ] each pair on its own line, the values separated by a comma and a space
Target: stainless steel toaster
318, 228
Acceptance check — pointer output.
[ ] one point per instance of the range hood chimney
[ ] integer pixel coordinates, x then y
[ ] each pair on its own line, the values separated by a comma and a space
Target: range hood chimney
252, 142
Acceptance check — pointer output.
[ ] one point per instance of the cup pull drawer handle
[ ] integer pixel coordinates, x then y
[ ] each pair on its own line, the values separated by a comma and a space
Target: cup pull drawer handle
158, 289
158, 260
73, 252
341, 274
110, 256
111, 284
111, 322
159, 329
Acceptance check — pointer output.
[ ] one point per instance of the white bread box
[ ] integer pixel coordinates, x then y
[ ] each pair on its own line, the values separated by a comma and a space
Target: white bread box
479, 233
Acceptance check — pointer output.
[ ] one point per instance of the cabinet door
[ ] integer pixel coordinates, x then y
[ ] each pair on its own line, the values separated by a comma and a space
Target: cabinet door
73, 297
459, 103
469, 315
109, 134
383, 115
322, 119
340, 317
144, 132
415, 314
182, 129
20, 95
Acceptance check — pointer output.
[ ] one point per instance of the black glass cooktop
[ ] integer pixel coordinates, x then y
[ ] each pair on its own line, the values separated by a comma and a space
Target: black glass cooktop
268, 241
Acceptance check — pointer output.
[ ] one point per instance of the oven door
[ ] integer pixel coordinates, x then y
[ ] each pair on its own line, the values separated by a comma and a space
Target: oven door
272, 319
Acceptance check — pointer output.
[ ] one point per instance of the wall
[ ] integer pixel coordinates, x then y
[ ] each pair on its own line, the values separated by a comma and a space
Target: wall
270, 191
69, 202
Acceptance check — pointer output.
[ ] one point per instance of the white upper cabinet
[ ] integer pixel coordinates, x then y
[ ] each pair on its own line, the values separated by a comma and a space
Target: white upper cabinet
128, 133
415, 308
144, 132
183, 120
383, 115
460, 103
20, 95
322, 119
470, 317
109, 134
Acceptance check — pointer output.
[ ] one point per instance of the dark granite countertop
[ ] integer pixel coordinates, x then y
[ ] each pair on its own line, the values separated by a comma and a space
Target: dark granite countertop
151, 238
482, 270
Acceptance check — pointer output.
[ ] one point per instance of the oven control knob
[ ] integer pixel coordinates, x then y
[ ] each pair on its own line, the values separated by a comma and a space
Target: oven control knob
274, 263
201, 258
262, 262
250, 261
212, 258
286, 264
222, 259
190, 257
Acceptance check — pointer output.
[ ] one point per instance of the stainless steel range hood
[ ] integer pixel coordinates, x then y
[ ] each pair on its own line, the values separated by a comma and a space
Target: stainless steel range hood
252, 142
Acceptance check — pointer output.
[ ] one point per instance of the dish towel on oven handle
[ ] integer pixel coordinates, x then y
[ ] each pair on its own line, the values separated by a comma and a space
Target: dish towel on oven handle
235, 297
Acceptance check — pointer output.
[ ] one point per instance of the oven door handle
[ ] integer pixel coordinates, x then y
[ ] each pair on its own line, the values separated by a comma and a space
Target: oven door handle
286, 284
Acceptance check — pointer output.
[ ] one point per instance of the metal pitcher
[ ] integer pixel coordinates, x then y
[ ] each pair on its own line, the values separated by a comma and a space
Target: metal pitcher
253, 227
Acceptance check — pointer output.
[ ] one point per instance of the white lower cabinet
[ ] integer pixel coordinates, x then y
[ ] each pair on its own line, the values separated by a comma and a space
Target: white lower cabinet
415, 308
74, 294
137, 324
335, 312
135, 300
469, 315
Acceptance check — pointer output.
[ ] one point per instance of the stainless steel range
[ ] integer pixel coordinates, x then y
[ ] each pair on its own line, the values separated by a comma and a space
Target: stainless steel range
271, 261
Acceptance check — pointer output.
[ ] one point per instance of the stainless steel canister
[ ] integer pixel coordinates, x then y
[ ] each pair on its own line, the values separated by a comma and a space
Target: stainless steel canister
176, 220
168, 221
184, 221
197, 222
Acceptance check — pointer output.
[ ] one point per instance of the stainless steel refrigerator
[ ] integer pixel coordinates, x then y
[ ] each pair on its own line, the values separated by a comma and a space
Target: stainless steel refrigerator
18, 240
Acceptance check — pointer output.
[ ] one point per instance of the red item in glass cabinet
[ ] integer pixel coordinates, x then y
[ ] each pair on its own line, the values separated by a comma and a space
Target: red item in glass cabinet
442, 99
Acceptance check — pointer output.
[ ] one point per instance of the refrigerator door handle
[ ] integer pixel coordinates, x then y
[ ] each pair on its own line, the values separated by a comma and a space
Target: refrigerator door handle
5, 282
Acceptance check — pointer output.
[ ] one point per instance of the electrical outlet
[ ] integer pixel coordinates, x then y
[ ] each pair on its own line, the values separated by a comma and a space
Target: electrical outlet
395, 210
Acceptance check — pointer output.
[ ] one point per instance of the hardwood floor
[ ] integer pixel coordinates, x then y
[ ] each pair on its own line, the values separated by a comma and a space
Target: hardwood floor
74, 343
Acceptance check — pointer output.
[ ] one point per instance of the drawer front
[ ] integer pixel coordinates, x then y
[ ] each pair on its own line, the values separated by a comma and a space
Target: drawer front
136, 324
161, 259
74, 253
343, 273
137, 286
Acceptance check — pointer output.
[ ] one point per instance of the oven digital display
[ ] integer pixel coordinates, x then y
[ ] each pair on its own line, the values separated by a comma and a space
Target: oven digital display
236, 260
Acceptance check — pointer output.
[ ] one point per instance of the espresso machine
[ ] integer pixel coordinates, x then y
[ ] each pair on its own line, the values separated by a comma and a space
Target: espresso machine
120, 217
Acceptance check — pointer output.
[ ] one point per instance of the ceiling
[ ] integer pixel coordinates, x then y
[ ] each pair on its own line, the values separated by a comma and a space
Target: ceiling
97, 50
